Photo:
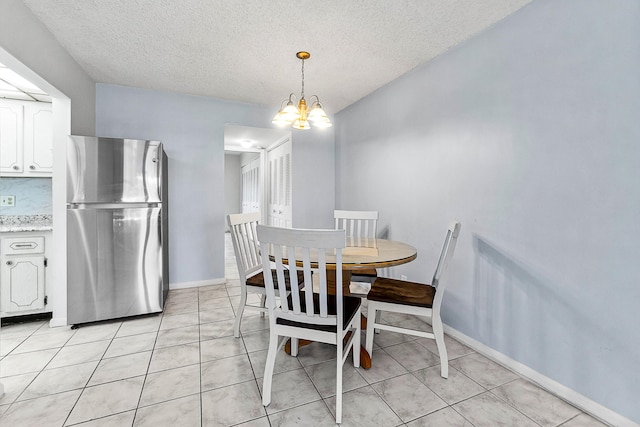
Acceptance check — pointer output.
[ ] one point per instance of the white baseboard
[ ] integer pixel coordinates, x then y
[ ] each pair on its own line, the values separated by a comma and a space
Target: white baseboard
578, 400
58, 321
196, 284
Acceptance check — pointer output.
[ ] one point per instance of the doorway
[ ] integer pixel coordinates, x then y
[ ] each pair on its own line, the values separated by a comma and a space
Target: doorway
257, 173
61, 125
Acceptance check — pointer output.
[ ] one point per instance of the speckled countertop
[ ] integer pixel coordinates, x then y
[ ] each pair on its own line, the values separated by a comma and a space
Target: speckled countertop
18, 223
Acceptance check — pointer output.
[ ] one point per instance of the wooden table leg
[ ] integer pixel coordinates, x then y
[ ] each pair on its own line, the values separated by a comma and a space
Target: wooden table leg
365, 357
331, 282
301, 343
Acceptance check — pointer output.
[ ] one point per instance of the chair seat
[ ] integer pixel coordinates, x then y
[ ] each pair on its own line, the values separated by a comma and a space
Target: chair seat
350, 306
258, 279
402, 292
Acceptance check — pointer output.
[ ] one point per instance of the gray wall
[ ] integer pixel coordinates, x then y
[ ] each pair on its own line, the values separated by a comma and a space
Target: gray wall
192, 130
529, 135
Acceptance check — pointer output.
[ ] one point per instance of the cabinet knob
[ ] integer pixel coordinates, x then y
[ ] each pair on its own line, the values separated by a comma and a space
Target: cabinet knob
32, 167
16, 168
9, 263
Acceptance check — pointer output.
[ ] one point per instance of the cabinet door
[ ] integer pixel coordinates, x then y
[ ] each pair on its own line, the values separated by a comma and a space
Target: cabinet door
38, 138
11, 137
22, 283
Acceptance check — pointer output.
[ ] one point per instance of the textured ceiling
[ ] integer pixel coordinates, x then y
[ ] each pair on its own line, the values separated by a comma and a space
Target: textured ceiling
245, 50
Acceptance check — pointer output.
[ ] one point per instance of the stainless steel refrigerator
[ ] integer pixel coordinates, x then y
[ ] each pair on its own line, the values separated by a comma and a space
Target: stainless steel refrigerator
117, 228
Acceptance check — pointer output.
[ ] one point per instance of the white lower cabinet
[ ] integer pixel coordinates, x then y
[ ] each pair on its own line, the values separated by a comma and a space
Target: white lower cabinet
23, 287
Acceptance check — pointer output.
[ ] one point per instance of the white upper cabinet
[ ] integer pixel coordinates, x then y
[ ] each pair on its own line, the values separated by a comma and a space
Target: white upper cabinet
25, 138
11, 137
38, 138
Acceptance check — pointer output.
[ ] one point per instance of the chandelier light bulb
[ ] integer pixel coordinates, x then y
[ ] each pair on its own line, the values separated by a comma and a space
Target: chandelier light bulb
301, 124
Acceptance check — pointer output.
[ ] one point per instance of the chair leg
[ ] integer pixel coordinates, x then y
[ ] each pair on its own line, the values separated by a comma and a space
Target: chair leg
371, 324
236, 324
294, 346
378, 316
339, 383
268, 369
355, 348
263, 302
438, 331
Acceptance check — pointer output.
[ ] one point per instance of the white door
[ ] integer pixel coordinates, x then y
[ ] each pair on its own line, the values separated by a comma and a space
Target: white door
251, 186
279, 197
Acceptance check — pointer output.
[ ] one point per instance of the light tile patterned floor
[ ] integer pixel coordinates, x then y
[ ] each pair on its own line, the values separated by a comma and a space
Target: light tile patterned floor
184, 368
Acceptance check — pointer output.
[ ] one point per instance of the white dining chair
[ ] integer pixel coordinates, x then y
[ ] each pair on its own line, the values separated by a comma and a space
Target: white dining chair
418, 299
304, 314
247, 254
360, 228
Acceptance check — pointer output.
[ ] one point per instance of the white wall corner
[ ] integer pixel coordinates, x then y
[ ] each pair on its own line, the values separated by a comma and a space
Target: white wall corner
57, 321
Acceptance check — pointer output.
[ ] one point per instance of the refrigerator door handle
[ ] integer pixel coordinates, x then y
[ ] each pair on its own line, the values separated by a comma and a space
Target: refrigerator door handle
73, 206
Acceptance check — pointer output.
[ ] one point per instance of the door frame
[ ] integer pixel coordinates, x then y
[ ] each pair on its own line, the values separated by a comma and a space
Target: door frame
263, 141
61, 120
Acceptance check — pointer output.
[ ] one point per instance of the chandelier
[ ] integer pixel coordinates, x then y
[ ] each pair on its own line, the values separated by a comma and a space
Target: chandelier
299, 117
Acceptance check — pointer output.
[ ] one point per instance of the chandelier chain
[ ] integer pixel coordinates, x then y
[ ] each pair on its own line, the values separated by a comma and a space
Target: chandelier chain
302, 92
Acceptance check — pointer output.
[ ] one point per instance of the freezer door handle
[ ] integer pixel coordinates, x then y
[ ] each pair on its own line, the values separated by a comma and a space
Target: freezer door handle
99, 206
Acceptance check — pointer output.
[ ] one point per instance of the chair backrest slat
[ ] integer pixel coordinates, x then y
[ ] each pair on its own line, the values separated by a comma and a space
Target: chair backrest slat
245, 243
306, 266
280, 279
304, 249
360, 226
447, 252
295, 293
322, 266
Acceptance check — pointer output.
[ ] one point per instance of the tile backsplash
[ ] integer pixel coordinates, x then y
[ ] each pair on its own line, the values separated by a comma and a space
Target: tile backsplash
32, 196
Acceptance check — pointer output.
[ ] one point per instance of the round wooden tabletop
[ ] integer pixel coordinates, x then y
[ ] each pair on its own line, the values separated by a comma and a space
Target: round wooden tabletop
385, 253
378, 253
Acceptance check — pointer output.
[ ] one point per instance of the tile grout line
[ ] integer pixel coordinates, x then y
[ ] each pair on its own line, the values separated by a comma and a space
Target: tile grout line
144, 382
77, 329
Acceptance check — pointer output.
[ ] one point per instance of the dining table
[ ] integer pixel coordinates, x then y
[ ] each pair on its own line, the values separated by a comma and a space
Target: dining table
363, 254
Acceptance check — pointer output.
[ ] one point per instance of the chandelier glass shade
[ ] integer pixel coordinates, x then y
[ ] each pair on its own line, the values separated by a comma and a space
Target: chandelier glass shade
298, 116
